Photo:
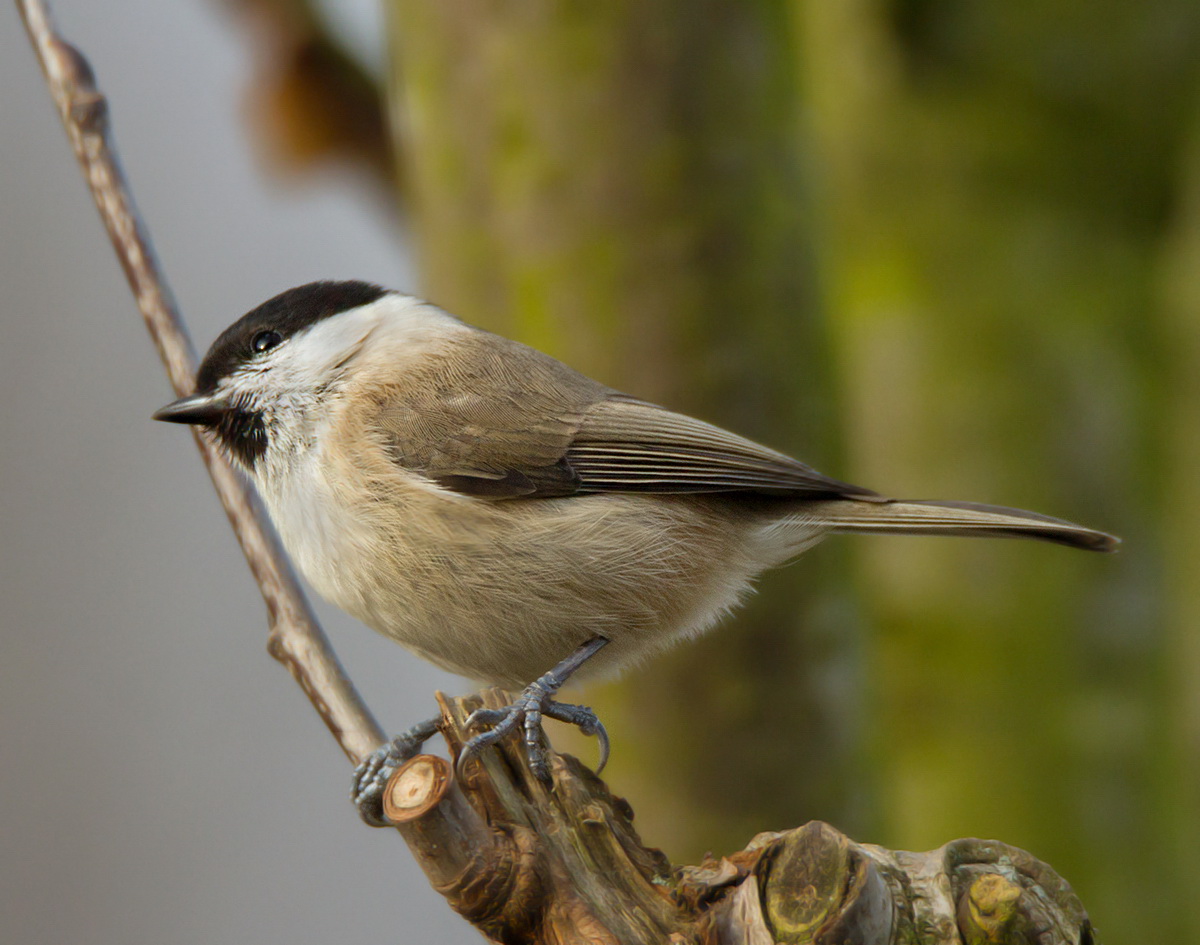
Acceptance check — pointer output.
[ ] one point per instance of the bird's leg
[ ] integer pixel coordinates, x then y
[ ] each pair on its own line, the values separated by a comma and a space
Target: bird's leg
536, 701
371, 776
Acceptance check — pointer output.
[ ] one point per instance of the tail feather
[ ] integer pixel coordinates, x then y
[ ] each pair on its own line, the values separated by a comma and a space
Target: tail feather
924, 517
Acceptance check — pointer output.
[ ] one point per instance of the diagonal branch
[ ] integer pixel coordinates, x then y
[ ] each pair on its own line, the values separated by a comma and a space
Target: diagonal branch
296, 639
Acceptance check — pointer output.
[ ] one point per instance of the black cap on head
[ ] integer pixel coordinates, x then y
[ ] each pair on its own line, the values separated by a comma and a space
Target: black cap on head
286, 313
242, 431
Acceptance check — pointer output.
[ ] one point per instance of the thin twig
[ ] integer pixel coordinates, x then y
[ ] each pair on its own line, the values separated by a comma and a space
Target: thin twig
295, 638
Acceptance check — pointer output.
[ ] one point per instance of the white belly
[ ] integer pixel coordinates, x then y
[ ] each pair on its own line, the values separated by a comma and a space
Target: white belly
501, 591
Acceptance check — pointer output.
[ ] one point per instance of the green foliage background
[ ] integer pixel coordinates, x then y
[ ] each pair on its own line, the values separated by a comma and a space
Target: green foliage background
945, 249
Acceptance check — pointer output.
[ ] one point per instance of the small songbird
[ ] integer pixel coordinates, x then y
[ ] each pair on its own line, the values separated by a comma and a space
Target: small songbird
501, 514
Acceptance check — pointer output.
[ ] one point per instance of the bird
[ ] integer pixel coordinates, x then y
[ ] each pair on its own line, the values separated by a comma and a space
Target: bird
506, 517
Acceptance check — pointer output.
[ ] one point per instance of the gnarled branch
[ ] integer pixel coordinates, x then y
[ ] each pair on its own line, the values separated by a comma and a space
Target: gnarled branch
563, 864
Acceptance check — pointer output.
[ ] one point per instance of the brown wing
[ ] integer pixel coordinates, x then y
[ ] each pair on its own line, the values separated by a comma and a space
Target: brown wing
500, 420
490, 417
626, 445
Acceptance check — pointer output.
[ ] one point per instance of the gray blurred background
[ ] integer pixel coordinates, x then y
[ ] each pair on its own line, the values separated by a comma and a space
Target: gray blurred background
163, 779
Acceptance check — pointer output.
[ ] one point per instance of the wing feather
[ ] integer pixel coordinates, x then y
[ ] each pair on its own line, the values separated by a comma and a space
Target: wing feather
629, 445
498, 420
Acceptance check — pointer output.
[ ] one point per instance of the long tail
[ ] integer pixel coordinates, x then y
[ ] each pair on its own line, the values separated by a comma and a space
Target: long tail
921, 517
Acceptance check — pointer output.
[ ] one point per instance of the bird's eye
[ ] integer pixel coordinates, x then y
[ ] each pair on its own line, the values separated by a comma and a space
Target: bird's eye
265, 341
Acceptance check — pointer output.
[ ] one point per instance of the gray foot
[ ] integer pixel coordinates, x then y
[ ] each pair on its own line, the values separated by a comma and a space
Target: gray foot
535, 702
371, 776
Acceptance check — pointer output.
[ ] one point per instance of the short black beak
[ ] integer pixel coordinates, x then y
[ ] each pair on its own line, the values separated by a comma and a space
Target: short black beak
200, 409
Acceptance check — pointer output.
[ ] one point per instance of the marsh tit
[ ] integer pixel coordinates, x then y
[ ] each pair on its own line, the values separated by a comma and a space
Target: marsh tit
501, 514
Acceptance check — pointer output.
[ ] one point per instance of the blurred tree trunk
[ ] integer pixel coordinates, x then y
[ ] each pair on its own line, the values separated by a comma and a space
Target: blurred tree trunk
1179, 518
620, 185
1001, 180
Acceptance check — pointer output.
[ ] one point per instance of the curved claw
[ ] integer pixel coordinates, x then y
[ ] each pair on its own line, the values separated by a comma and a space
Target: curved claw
486, 717
367, 791
529, 709
536, 701
473, 747
602, 736
584, 719
374, 772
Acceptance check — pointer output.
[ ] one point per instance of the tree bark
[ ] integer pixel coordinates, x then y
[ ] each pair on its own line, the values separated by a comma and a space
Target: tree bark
529, 863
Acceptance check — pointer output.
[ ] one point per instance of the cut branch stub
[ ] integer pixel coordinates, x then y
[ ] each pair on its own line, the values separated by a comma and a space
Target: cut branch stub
562, 865
820, 887
1008, 896
526, 863
489, 874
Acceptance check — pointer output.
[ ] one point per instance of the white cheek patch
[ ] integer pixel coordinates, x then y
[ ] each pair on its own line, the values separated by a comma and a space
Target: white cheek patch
408, 322
311, 358
307, 360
